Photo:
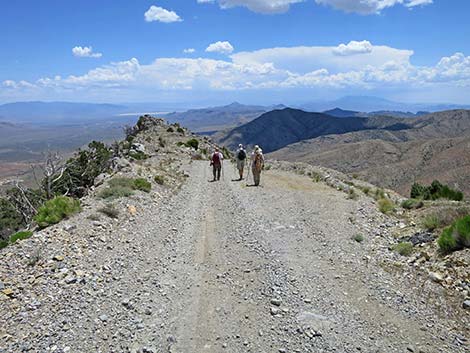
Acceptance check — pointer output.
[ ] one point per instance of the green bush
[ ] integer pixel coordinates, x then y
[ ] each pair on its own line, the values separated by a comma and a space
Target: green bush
10, 219
159, 179
82, 169
138, 155
446, 241
121, 182
435, 191
193, 143
379, 194
431, 222
457, 236
53, 211
403, 248
365, 190
142, 185
20, 236
359, 238
170, 129
386, 206
115, 192
180, 130
412, 204
3, 244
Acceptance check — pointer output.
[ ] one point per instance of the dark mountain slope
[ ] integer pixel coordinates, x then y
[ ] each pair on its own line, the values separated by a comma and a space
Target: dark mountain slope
279, 128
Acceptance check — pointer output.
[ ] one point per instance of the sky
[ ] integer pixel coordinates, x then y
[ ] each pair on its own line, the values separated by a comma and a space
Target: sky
253, 51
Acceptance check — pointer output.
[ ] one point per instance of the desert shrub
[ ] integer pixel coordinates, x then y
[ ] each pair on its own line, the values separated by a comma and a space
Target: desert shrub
435, 191
10, 219
142, 185
109, 210
203, 151
412, 204
359, 238
20, 236
115, 192
457, 236
121, 182
3, 244
180, 130
352, 195
431, 222
53, 211
138, 155
179, 144
379, 194
161, 141
316, 177
365, 190
170, 129
386, 206
159, 179
403, 248
193, 143
355, 176
82, 169
227, 154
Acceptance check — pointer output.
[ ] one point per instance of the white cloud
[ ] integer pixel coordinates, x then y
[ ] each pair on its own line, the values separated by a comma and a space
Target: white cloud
266, 69
189, 50
260, 6
204, 1
353, 48
308, 59
85, 52
155, 13
220, 47
413, 3
368, 7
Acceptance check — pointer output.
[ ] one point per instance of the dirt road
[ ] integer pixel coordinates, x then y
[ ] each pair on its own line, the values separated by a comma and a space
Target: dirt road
225, 267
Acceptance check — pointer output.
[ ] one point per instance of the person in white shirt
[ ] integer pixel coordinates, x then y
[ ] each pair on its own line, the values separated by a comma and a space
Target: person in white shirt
257, 164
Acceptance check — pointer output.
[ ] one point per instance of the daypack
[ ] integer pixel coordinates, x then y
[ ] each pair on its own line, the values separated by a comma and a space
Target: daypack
241, 155
216, 158
258, 162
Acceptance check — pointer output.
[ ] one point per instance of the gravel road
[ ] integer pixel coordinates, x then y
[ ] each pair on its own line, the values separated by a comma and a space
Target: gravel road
223, 267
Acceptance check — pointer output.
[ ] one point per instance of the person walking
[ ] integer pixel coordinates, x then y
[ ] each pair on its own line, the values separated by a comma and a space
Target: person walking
257, 164
241, 159
216, 163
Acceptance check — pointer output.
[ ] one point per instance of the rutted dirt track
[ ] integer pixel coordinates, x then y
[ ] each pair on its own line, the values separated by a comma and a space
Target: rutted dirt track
224, 267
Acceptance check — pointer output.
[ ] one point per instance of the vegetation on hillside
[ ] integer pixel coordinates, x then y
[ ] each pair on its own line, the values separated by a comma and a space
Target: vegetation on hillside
435, 191
457, 236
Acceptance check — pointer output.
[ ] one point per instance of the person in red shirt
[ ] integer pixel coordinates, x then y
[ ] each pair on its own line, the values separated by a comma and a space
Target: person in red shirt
216, 163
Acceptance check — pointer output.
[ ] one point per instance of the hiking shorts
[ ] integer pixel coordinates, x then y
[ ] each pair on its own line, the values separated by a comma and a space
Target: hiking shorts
240, 164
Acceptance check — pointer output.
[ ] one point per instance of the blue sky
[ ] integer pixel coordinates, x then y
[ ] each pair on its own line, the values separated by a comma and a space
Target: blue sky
256, 51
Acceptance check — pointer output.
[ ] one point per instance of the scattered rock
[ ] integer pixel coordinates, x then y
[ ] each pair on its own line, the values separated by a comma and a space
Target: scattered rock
436, 277
466, 304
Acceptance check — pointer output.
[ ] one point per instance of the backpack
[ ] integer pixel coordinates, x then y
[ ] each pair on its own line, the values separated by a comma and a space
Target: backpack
241, 155
215, 158
258, 162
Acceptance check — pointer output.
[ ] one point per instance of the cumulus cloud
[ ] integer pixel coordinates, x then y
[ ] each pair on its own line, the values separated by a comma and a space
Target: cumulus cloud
159, 14
260, 6
85, 52
266, 69
189, 50
353, 48
220, 47
368, 7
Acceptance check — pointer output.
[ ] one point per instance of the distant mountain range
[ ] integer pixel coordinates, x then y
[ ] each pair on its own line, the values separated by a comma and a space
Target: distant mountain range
341, 113
375, 104
217, 118
388, 151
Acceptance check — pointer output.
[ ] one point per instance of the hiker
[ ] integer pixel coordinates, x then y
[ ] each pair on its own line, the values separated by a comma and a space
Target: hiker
216, 163
241, 158
257, 164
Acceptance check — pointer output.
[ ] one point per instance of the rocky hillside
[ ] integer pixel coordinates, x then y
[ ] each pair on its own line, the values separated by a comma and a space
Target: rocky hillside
436, 146
279, 128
